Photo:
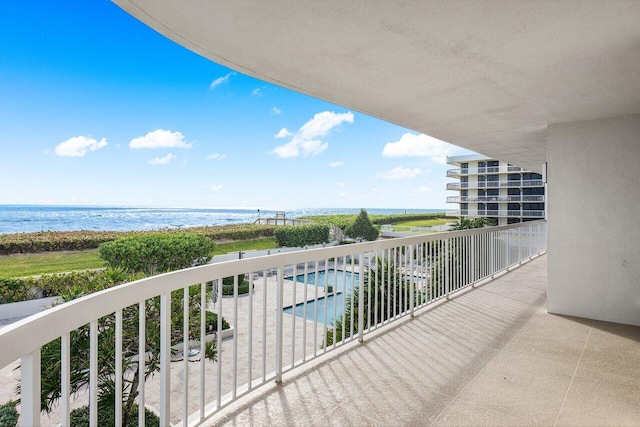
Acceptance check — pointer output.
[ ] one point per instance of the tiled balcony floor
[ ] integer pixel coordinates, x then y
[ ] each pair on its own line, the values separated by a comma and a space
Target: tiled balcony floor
490, 356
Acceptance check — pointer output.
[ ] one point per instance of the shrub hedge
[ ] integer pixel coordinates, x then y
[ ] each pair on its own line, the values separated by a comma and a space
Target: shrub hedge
302, 235
106, 417
44, 241
346, 220
156, 252
9, 414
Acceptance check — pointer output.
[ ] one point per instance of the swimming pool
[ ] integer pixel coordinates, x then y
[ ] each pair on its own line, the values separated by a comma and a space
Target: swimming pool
336, 279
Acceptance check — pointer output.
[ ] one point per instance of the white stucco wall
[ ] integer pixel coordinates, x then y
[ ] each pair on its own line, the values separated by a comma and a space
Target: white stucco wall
594, 219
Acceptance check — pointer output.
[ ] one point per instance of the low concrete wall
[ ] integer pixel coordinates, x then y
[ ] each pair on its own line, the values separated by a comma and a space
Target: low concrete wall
24, 308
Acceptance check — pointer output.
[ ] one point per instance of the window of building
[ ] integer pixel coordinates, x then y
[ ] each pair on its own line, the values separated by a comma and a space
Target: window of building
513, 191
493, 192
533, 206
535, 191
514, 177
492, 206
482, 193
493, 178
493, 163
531, 176
464, 193
513, 206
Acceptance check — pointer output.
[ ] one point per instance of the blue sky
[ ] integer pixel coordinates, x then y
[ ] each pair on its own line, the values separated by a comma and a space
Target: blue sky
98, 109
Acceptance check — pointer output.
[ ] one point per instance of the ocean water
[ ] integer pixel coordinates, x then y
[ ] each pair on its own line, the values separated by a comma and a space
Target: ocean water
29, 218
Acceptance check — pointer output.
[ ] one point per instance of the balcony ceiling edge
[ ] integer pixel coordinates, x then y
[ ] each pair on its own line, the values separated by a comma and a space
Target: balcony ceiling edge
487, 76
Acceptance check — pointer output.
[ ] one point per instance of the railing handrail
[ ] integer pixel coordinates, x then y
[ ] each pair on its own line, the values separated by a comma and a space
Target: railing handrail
486, 169
28, 334
427, 267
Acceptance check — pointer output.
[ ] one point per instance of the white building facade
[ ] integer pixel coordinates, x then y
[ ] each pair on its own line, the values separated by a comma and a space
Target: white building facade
489, 188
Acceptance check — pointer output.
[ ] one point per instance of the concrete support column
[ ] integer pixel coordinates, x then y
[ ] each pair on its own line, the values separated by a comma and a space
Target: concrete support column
594, 222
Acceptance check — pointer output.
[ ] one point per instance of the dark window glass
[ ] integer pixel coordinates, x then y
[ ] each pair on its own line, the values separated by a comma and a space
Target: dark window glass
531, 176
513, 191
464, 206
535, 191
514, 177
482, 164
481, 192
492, 178
464, 193
533, 206
492, 206
493, 192
493, 163
513, 206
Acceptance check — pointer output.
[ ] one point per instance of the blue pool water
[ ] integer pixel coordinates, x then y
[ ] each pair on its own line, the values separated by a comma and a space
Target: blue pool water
335, 279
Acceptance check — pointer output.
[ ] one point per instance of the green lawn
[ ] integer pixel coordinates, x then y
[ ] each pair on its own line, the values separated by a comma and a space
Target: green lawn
245, 245
426, 222
48, 262
59, 262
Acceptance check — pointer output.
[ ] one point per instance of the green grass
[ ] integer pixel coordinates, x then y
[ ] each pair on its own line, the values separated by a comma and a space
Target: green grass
21, 265
426, 222
48, 262
245, 245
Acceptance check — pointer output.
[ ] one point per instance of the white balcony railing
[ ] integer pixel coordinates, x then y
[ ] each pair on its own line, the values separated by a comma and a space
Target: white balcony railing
495, 184
499, 213
486, 199
488, 169
283, 323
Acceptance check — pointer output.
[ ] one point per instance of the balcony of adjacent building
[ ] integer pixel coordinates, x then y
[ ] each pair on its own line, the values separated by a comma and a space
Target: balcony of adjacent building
495, 184
454, 330
513, 213
484, 199
454, 173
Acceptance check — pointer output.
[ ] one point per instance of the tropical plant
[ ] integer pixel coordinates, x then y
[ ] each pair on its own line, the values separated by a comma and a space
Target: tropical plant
469, 223
80, 342
386, 295
362, 228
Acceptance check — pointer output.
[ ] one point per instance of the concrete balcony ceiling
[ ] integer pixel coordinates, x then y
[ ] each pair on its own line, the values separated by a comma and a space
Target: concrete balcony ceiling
484, 75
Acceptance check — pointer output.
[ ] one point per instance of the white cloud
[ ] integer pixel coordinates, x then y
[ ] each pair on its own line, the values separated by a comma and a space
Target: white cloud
220, 80
276, 110
305, 142
336, 164
216, 156
342, 184
162, 160
414, 145
216, 187
78, 146
283, 133
256, 92
160, 138
399, 173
